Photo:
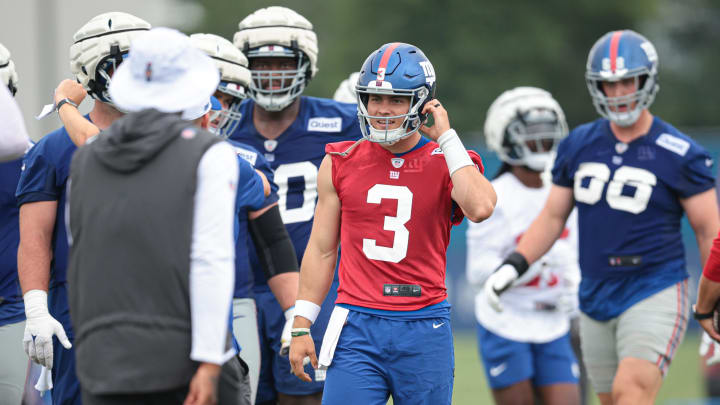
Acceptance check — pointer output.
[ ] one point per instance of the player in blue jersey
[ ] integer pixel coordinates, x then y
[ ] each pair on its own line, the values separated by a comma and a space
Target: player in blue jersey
291, 130
43, 251
14, 365
631, 176
262, 223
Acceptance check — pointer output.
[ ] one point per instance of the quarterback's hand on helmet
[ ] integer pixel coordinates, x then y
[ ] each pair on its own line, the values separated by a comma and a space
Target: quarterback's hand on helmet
40, 328
70, 89
497, 283
440, 118
286, 332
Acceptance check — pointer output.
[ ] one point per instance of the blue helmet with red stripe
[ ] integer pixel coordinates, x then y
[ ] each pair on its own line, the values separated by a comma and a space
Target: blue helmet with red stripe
401, 70
621, 55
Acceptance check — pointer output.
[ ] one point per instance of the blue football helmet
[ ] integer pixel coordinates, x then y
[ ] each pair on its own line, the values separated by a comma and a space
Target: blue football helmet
616, 56
395, 69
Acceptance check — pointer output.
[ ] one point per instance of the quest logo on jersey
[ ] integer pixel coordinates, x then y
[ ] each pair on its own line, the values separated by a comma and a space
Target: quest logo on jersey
321, 124
249, 156
673, 144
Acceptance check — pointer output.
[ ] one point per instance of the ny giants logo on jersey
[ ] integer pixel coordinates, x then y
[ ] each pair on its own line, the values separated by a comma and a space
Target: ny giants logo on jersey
394, 175
413, 166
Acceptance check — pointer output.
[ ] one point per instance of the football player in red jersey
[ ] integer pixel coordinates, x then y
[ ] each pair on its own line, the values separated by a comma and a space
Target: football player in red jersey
397, 194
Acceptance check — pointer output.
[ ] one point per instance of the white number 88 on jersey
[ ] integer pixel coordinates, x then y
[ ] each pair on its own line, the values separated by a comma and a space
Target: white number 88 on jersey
599, 173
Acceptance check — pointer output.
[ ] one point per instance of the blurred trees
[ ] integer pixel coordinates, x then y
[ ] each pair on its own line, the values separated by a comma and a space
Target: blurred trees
481, 48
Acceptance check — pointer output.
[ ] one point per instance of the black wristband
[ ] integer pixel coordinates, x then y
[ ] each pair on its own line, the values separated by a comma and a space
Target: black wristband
700, 316
63, 102
518, 261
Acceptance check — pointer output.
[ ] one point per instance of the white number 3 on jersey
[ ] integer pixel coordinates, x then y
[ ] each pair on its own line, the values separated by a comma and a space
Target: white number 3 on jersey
599, 174
396, 224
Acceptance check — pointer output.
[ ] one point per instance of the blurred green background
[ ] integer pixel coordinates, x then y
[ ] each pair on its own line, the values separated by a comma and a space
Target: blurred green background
481, 48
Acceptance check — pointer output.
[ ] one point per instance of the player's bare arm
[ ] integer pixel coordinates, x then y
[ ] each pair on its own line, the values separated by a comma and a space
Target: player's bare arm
702, 213
37, 220
265, 182
318, 265
548, 225
536, 241
79, 128
471, 190
703, 218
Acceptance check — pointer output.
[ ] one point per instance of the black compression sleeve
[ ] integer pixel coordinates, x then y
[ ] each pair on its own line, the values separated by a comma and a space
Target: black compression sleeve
518, 261
272, 243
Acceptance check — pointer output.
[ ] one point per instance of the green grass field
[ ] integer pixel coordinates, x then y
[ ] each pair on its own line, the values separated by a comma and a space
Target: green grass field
683, 384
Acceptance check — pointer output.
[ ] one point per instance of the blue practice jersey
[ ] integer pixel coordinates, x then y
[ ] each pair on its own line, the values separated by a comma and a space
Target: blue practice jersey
629, 212
295, 156
243, 275
11, 303
46, 168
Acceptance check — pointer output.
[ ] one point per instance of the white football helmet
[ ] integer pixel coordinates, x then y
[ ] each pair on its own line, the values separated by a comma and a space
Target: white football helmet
278, 32
8, 75
345, 93
100, 46
234, 79
524, 127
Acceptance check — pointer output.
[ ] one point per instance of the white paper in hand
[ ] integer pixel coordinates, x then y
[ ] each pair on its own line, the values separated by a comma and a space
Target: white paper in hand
44, 382
46, 110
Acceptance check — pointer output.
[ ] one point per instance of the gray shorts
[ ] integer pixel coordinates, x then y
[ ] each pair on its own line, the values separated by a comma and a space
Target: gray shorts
245, 331
651, 330
13, 363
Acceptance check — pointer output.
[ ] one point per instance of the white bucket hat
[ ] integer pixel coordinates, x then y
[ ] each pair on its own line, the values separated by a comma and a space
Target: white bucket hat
163, 71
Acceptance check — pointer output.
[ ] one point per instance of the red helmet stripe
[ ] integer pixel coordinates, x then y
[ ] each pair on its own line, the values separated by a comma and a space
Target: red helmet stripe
614, 44
387, 54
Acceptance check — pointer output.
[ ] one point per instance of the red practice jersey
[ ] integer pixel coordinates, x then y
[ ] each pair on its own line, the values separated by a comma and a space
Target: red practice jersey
396, 216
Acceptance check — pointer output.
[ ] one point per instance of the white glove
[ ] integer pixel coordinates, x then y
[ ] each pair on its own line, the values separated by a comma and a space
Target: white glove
497, 283
705, 345
40, 328
286, 332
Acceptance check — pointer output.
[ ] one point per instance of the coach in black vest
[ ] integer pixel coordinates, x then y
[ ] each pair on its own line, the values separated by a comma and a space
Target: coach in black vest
151, 206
